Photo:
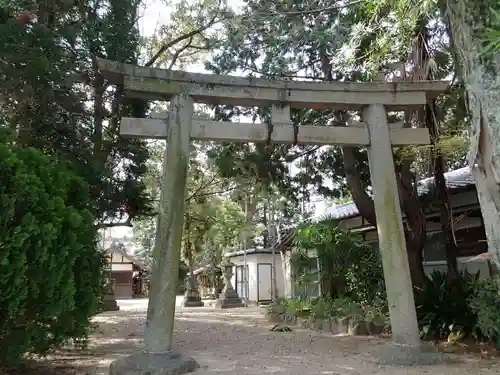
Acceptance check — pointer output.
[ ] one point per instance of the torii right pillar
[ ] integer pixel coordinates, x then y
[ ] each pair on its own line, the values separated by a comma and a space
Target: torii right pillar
406, 348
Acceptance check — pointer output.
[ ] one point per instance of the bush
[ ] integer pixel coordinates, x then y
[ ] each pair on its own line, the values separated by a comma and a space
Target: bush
443, 308
485, 303
50, 275
365, 277
297, 306
325, 308
348, 267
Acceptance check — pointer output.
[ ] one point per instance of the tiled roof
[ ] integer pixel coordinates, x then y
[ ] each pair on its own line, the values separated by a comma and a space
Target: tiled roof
130, 258
258, 250
455, 179
286, 237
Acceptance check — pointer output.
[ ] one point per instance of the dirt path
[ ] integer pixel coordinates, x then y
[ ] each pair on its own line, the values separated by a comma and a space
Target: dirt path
238, 341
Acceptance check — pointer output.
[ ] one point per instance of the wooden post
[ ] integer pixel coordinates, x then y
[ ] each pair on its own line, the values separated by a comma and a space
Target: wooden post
167, 247
390, 229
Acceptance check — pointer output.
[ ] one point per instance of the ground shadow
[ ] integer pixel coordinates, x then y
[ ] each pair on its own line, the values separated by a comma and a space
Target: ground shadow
233, 341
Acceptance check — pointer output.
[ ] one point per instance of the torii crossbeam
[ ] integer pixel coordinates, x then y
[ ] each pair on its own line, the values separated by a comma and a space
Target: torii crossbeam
179, 127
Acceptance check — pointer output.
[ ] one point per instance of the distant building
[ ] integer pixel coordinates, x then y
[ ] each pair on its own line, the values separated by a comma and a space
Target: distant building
129, 275
467, 224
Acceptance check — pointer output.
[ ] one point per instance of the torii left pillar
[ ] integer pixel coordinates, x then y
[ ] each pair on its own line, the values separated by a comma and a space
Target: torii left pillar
157, 357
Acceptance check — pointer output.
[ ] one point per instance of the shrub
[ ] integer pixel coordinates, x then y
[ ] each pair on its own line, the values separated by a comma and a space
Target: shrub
298, 307
351, 310
443, 308
50, 274
348, 267
342, 307
365, 276
323, 308
485, 303
376, 315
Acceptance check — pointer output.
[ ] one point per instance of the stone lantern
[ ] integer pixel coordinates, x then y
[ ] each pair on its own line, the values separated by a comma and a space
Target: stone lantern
109, 299
228, 298
192, 296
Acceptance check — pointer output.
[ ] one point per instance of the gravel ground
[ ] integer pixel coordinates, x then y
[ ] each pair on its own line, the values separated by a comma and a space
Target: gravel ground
238, 341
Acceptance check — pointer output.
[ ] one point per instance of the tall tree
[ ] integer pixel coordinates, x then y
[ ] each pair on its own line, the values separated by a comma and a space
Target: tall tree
480, 71
473, 30
110, 31
47, 107
428, 59
294, 40
50, 111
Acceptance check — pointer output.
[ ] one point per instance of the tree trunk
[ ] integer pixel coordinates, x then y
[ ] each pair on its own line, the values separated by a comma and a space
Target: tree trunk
188, 252
287, 273
415, 226
250, 207
445, 213
468, 20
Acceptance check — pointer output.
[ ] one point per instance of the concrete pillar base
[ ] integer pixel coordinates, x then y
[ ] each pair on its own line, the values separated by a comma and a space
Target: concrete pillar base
192, 303
211, 296
228, 304
192, 299
109, 303
404, 355
153, 364
228, 299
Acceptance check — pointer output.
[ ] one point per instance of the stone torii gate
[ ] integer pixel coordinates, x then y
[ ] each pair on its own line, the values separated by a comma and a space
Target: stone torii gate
183, 89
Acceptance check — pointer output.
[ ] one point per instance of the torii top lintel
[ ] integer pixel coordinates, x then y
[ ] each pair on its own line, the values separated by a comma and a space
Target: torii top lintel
162, 84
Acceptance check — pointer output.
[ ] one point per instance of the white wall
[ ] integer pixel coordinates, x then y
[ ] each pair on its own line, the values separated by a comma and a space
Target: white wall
472, 267
252, 261
121, 267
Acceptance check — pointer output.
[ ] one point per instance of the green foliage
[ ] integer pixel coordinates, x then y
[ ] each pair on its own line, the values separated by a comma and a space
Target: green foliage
492, 33
50, 273
377, 315
485, 303
230, 222
348, 266
212, 220
296, 306
47, 83
324, 308
299, 40
443, 308
470, 306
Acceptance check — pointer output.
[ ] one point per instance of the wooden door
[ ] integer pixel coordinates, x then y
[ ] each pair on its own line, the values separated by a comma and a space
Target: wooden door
264, 282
